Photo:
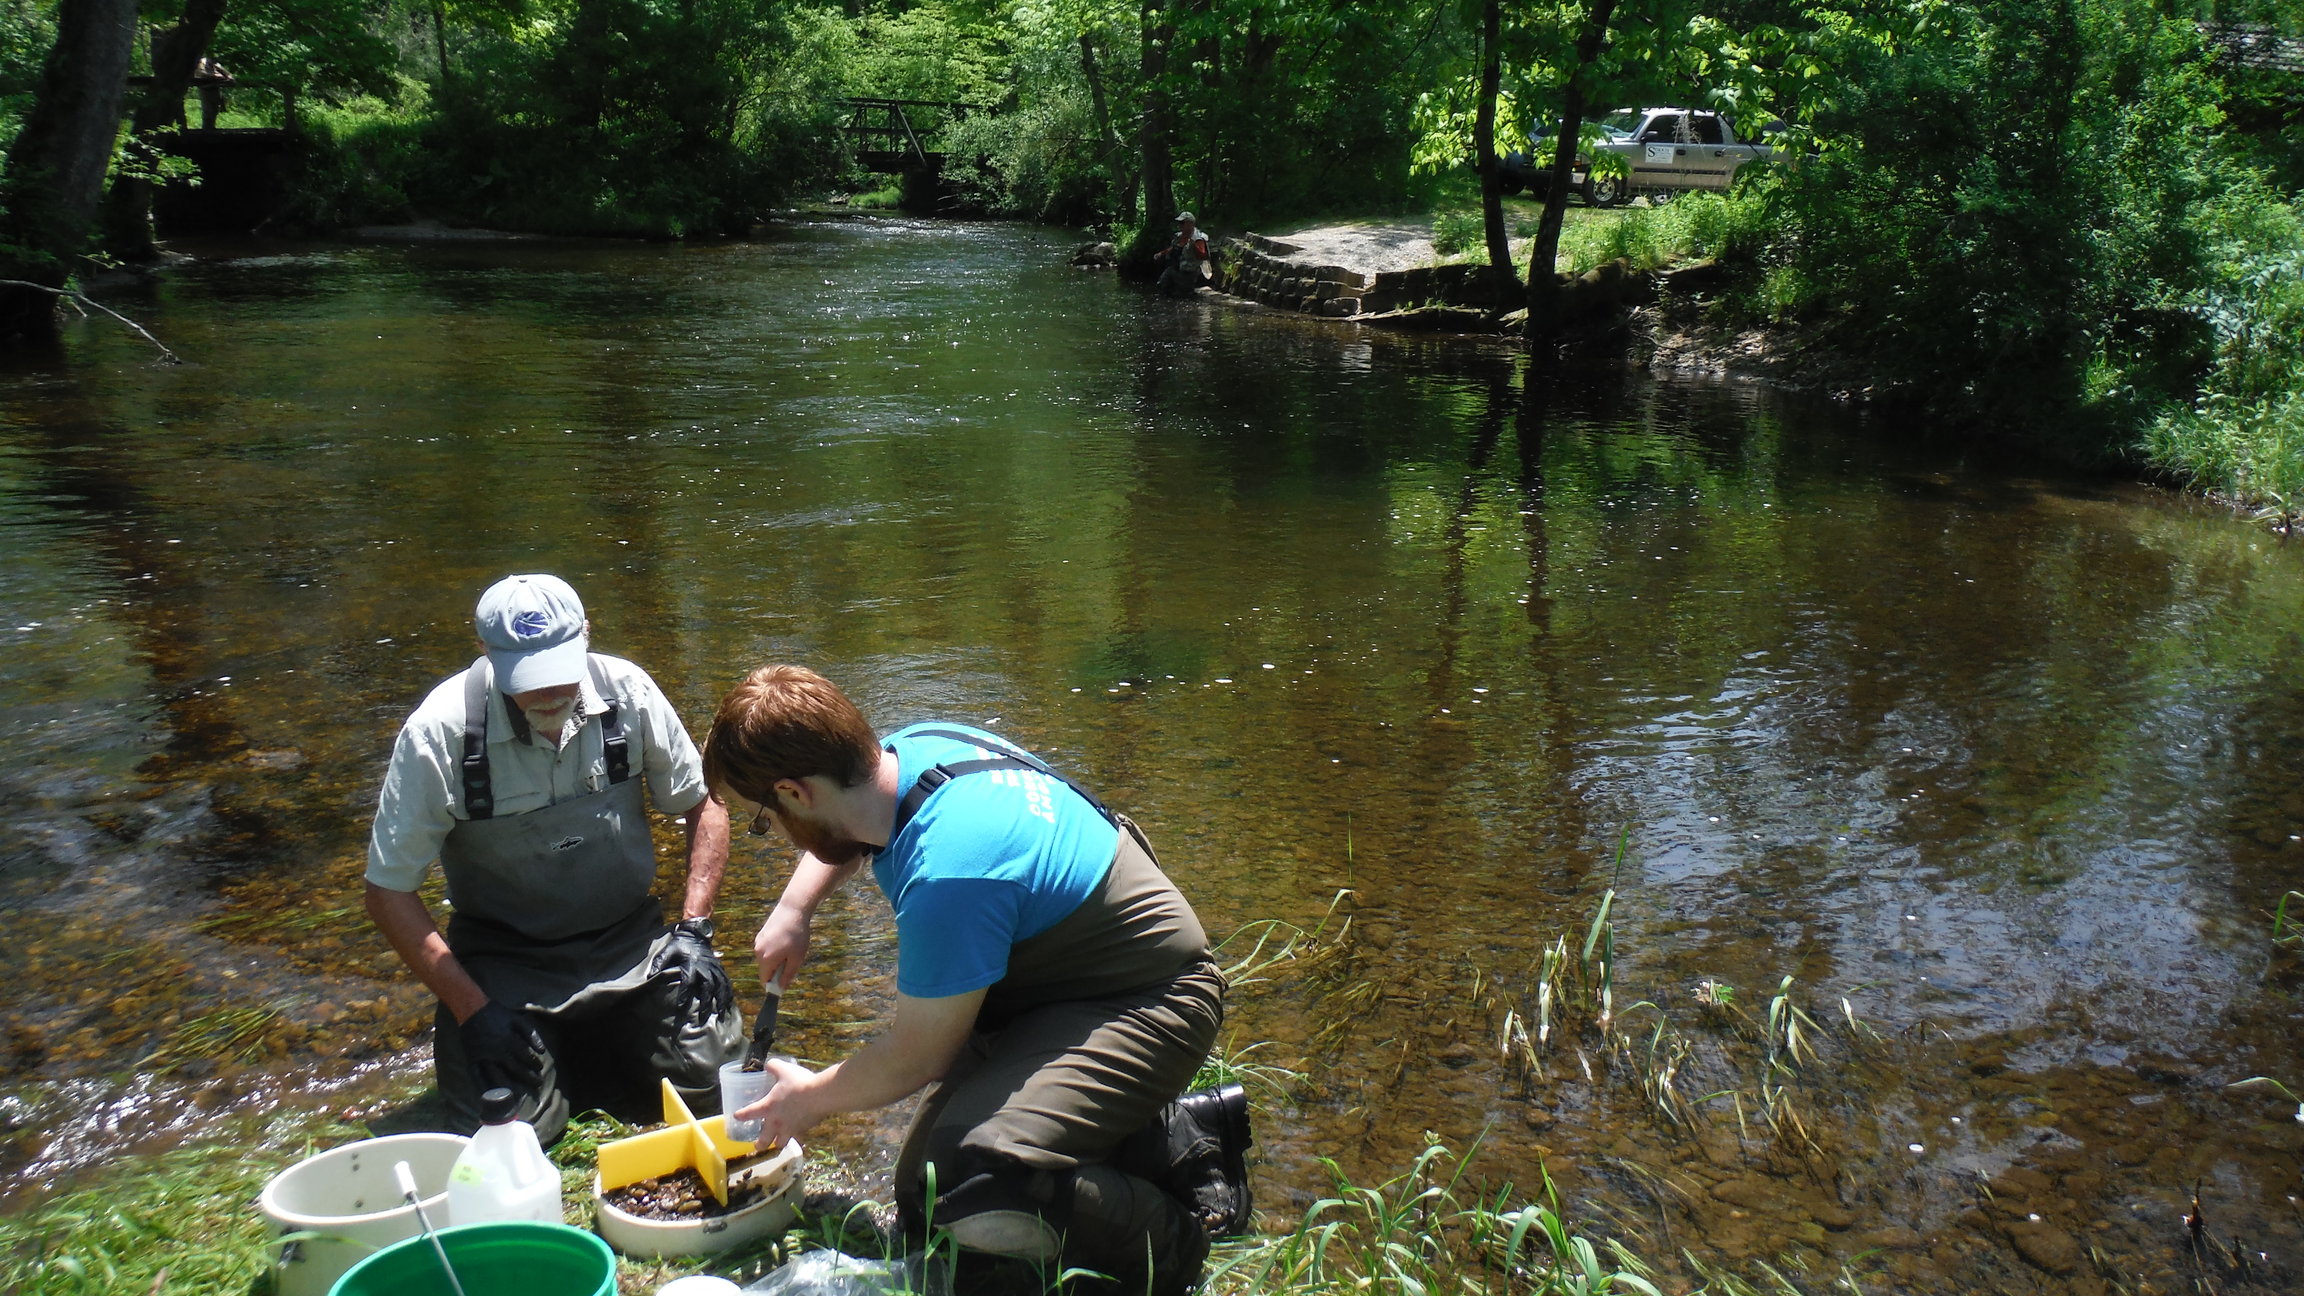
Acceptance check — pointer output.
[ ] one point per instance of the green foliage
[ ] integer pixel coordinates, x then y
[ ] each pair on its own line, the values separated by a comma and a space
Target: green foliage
333, 50
1738, 226
1443, 119
361, 159
631, 117
927, 52
1458, 230
1997, 206
1274, 110
1024, 163
2243, 433
27, 29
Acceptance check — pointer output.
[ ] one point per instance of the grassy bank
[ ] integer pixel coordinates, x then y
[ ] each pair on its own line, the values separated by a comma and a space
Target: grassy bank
185, 1221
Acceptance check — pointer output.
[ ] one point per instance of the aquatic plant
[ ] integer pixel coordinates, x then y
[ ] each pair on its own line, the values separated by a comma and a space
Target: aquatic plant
1272, 943
1569, 1006
2271, 1083
1789, 1028
2286, 930
1231, 1063
1431, 1229
234, 1034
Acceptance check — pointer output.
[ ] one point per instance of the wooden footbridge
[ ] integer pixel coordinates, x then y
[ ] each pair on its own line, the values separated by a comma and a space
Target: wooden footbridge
898, 135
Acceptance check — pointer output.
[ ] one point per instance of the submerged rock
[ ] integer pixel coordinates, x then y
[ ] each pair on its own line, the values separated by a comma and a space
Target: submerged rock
2045, 1246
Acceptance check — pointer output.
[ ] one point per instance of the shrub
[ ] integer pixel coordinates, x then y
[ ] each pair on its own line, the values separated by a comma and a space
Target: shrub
1458, 231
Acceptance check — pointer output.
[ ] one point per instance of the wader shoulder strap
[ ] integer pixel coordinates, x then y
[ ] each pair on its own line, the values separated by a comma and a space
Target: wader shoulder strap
479, 797
479, 793
936, 776
613, 746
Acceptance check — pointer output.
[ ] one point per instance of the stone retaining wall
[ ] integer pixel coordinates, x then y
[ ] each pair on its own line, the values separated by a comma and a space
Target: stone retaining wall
1269, 271
1260, 269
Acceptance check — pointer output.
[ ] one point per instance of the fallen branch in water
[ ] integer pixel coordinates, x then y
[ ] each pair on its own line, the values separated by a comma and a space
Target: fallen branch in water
84, 300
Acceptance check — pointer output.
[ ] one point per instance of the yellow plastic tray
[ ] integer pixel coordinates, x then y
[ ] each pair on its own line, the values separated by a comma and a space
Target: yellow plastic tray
683, 1142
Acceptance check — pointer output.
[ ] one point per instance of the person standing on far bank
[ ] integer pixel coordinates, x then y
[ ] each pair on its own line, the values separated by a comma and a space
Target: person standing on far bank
1051, 983
557, 976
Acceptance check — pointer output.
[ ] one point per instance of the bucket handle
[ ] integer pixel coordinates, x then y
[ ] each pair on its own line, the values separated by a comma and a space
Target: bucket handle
291, 1244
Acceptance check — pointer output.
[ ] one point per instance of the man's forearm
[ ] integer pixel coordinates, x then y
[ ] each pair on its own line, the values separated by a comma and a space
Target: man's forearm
408, 926
707, 857
873, 1077
917, 1048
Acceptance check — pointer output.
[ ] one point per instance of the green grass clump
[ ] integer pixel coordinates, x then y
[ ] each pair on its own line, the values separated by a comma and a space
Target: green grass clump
181, 1221
1430, 1229
1690, 227
1458, 231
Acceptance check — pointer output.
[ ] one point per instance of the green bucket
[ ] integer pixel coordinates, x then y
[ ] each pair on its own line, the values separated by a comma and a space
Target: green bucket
509, 1259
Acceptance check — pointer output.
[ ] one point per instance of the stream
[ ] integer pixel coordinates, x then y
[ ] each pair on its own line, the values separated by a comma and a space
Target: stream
1987, 773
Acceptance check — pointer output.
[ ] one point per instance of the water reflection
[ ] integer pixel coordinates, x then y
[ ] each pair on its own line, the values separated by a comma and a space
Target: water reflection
2001, 762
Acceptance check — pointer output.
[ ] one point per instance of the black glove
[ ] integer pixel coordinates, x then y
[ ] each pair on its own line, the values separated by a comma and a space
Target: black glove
503, 1050
704, 989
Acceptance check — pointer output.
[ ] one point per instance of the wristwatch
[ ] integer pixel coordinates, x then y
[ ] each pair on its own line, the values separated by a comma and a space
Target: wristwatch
701, 926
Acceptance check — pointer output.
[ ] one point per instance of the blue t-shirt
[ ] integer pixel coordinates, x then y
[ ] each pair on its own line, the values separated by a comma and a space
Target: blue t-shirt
992, 858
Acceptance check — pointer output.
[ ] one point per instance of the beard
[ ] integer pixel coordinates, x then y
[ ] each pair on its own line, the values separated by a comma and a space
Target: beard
818, 839
552, 722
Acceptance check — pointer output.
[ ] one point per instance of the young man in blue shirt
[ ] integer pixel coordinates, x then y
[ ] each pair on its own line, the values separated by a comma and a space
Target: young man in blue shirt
1051, 982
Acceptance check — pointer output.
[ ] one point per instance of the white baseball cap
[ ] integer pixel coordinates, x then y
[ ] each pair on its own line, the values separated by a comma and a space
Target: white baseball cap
533, 629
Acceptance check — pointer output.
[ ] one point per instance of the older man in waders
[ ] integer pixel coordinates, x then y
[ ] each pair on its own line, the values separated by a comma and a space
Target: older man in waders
557, 977
1184, 263
1051, 982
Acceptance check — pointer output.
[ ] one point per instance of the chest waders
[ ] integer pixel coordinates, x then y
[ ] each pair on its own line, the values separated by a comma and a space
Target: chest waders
1133, 930
1100, 1021
556, 899
936, 776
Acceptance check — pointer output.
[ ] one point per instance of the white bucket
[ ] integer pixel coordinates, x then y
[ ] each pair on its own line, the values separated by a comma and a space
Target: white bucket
347, 1198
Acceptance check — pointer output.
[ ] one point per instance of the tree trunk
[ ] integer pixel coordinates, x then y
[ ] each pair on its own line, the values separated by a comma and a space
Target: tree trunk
175, 53
1200, 125
1543, 283
1115, 149
55, 176
1249, 188
1159, 175
1484, 145
440, 39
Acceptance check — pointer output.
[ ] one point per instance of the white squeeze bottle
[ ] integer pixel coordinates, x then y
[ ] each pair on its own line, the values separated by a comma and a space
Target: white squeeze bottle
503, 1175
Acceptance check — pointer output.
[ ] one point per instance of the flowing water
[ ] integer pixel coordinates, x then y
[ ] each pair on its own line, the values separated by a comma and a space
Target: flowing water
1376, 635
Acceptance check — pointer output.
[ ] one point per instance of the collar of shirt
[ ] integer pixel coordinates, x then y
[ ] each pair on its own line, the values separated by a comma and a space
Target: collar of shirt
504, 727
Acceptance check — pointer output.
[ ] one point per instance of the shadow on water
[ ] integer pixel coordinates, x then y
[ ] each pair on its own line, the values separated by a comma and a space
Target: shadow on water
1996, 767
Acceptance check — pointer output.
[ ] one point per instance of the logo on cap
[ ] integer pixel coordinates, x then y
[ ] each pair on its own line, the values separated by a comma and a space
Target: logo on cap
528, 625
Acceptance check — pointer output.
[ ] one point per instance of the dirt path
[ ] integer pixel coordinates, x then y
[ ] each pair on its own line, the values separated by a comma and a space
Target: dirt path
1373, 246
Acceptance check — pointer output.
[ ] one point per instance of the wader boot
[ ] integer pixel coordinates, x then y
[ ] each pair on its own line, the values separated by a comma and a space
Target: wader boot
1197, 1149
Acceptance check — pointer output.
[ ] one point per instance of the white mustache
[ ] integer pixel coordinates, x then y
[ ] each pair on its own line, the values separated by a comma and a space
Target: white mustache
549, 719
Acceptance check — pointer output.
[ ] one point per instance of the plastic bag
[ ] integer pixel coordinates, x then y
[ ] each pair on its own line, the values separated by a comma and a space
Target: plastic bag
836, 1273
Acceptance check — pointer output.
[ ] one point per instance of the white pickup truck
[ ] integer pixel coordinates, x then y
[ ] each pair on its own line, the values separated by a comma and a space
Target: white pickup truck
1665, 151
1668, 151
